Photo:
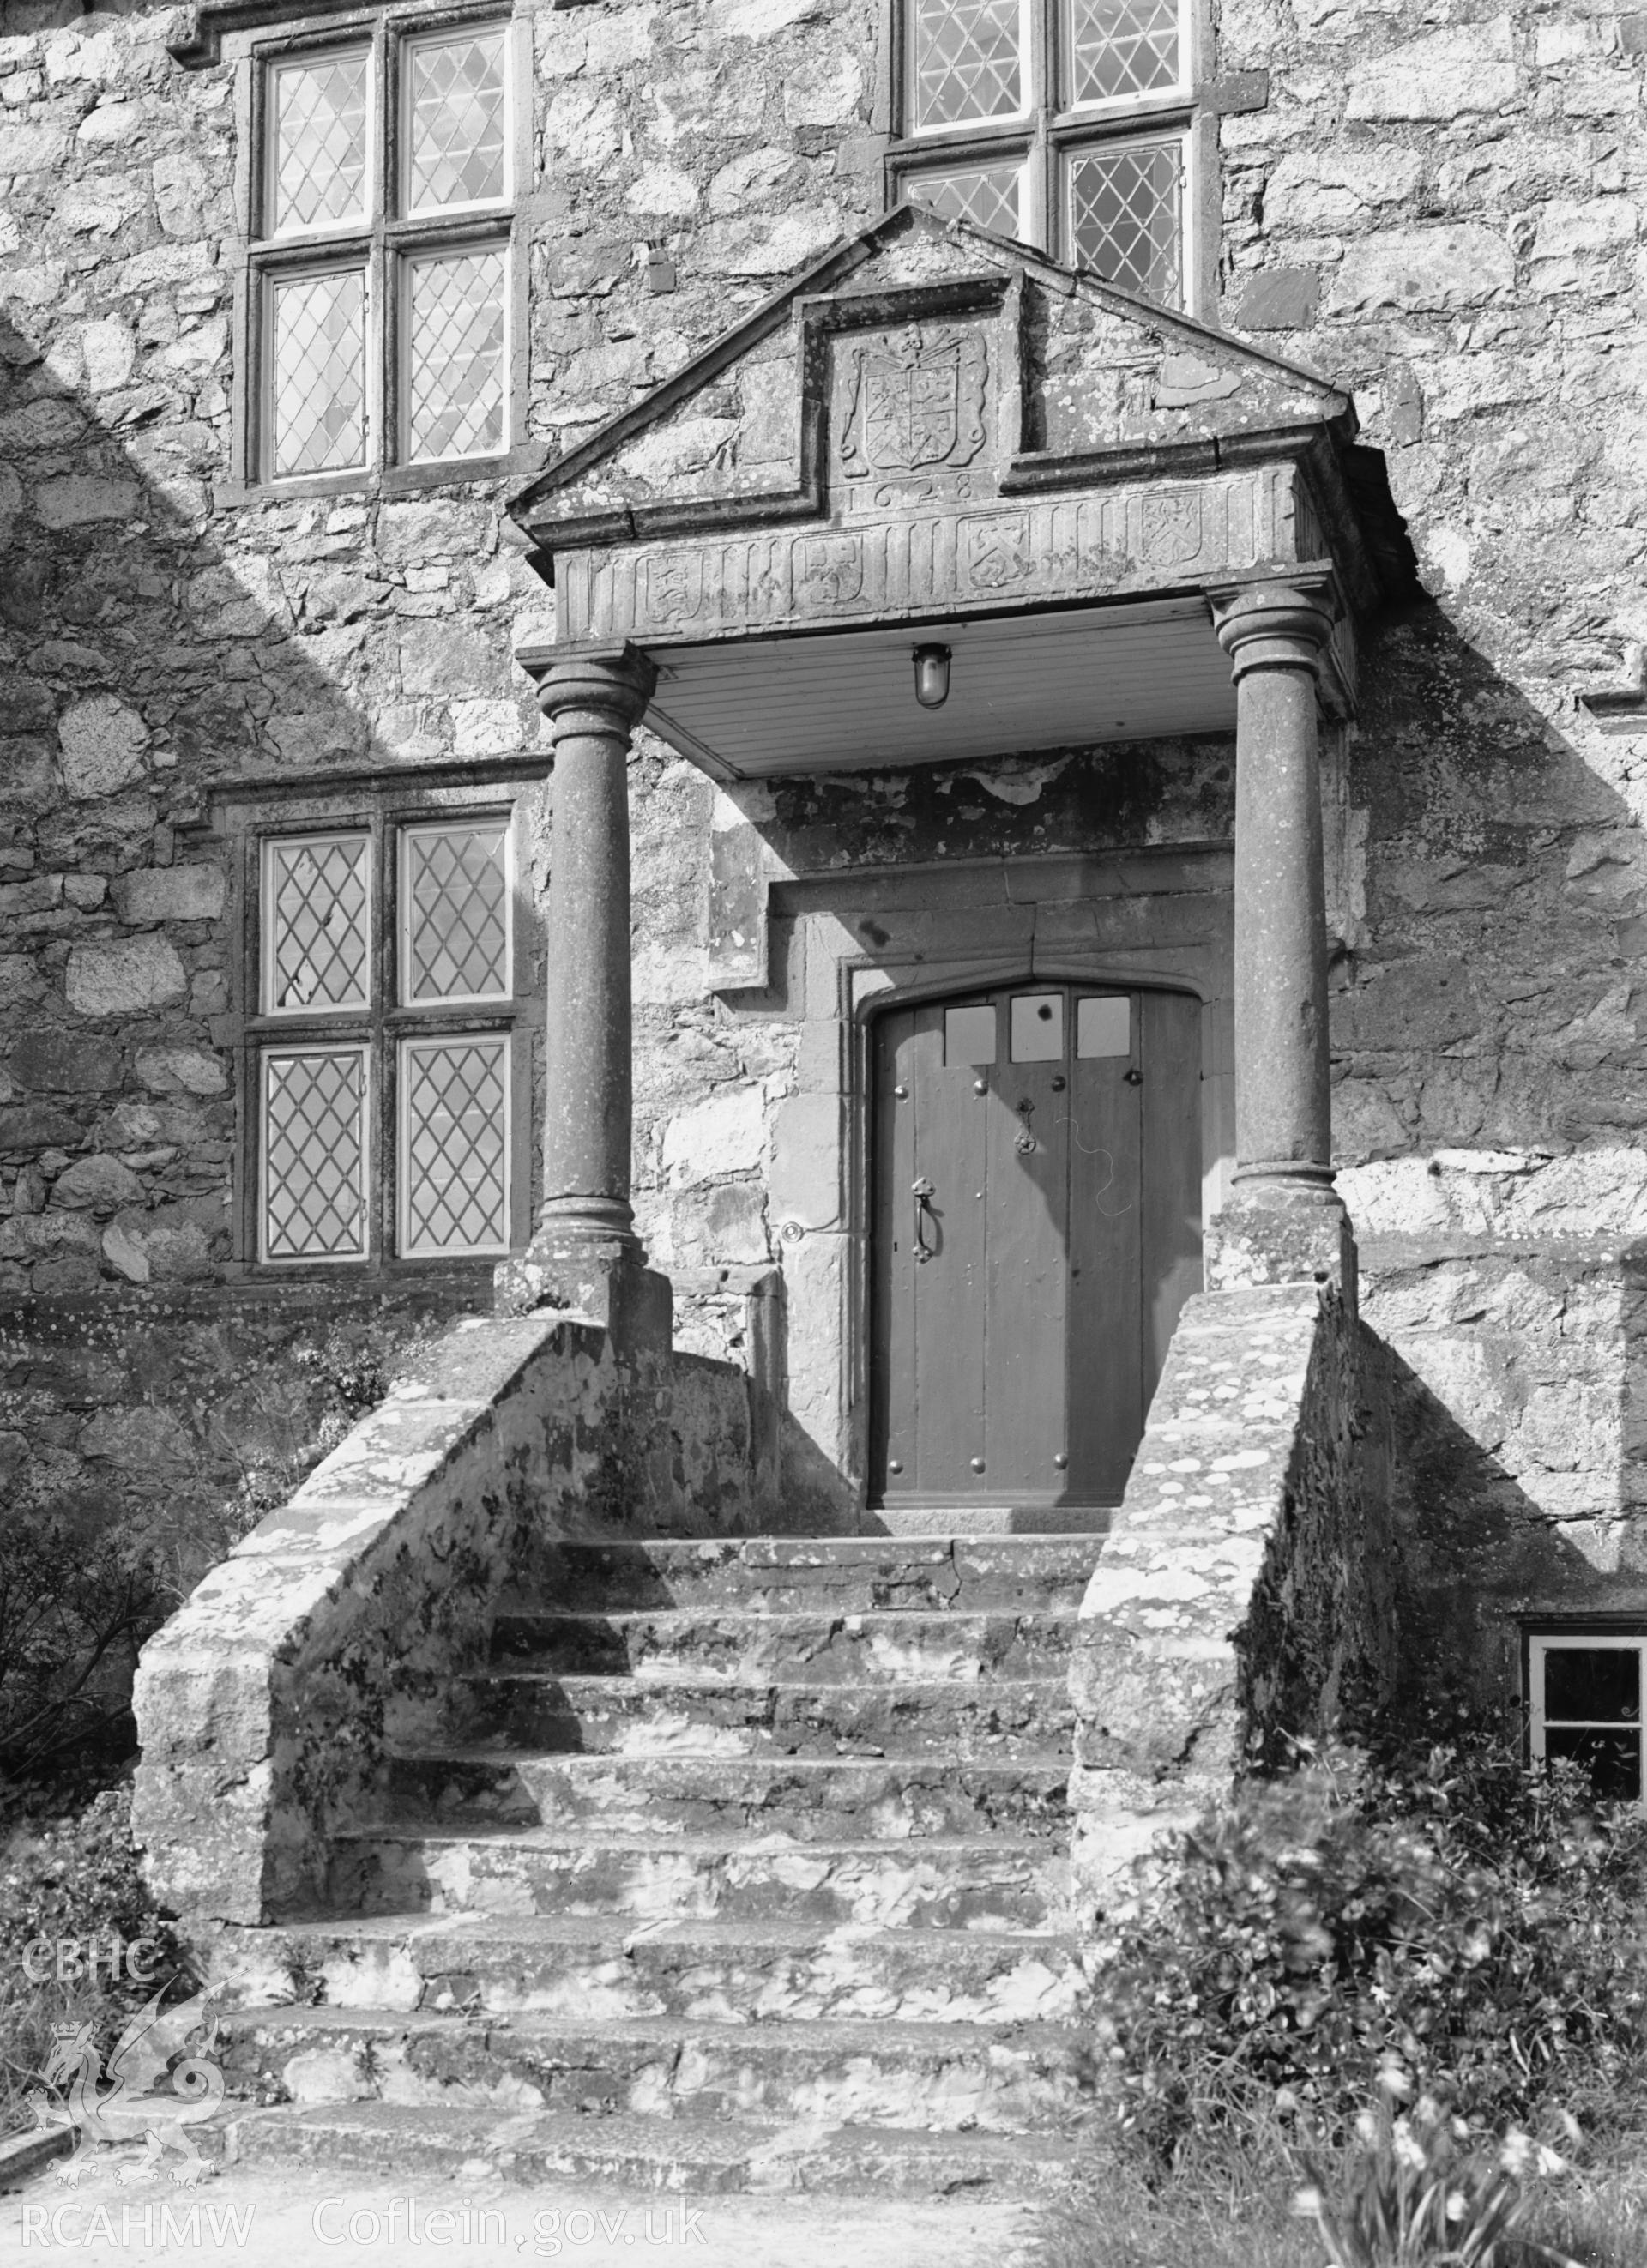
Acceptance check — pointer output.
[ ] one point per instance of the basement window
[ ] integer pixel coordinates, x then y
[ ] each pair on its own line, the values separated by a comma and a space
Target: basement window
1068, 124
1585, 1690
387, 1057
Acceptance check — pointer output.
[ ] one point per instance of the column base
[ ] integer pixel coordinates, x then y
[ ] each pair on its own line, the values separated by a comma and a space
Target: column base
601, 1275
1276, 1232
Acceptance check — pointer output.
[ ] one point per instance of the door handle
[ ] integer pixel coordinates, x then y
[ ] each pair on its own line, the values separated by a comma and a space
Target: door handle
922, 1189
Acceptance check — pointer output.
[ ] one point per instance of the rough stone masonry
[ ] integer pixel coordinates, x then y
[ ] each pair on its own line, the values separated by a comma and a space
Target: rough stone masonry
1437, 207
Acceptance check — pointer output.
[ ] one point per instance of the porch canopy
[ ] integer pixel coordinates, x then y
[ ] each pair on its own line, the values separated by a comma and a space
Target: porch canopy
1121, 525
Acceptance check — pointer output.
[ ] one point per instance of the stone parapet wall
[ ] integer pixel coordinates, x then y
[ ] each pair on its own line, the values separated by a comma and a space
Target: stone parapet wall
269, 1705
1246, 1588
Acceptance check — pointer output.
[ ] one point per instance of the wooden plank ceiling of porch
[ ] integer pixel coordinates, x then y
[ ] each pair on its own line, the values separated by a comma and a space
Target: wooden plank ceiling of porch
845, 700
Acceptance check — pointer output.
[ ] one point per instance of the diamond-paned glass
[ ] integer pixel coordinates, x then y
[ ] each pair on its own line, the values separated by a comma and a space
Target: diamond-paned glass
968, 61
456, 121
455, 355
987, 196
1123, 47
455, 894
317, 941
454, 1146
319, 406
1125, 217
319, 141
314, 1153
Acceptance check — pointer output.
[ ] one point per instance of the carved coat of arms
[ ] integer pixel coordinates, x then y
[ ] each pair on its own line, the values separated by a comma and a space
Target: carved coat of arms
914, 400
830, 569
1000, 551
1171, 526
674, 588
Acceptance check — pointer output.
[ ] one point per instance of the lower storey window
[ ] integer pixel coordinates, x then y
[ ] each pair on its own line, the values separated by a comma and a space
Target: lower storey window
317, 1145
1586, 1705
388, 1068
454, 1146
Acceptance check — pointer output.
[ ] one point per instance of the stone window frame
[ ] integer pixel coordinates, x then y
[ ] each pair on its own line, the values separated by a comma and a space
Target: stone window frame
380, 244
1601, 1629
251, 817
1050, 133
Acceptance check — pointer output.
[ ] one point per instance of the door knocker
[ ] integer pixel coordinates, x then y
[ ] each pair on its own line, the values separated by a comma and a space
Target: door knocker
1026, 1141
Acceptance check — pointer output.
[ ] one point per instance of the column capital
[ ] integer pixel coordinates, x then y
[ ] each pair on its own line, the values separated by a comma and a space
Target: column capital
1274, 626
612, 682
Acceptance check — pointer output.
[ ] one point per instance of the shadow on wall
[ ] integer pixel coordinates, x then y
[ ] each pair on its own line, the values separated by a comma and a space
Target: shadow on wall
141, 665
145, 659
1479, 1557
147, 1411
1490, 1080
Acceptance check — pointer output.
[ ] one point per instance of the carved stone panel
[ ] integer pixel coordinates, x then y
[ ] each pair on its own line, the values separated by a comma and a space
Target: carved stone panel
911, 409
1122, 539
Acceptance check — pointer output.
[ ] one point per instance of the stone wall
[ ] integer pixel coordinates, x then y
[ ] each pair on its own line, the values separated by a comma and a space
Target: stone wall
1443, 210
1444, 215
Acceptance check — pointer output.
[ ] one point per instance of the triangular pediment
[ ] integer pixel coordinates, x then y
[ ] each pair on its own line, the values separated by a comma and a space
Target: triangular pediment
923, 363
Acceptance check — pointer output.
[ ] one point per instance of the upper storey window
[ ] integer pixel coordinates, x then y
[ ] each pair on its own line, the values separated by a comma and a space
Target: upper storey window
1065, 123
380, 267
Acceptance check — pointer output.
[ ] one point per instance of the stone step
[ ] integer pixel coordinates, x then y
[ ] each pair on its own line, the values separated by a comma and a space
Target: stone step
825, 1649
692, 2157
782, 1574
589, 1969
938, 2076
808, 1798
939, 1883
991, 1520
664, 1715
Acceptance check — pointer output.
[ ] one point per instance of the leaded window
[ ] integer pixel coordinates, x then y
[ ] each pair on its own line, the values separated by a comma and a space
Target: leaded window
389, 1063
381, 275
1068, 124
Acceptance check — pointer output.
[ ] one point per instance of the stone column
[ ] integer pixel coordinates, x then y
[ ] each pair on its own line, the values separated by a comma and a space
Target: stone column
1274, 635
585, 1233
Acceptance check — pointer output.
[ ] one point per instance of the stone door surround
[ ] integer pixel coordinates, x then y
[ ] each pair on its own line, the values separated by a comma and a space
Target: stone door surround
1134, 919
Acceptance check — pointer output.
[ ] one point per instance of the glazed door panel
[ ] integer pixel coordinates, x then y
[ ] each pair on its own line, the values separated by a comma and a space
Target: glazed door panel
1035, 1228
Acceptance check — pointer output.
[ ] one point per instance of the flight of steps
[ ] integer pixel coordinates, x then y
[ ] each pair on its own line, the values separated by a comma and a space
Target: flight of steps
744, 1867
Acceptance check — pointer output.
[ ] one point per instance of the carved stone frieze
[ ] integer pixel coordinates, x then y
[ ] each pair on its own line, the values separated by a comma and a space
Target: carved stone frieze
1120, 538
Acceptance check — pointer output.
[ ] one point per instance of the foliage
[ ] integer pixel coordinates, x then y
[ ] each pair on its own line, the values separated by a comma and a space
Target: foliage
1440, 1905
1225, 2203
75, 1876
349, 1373
80, 1595
71, 1620
70, 1878
1423, 2187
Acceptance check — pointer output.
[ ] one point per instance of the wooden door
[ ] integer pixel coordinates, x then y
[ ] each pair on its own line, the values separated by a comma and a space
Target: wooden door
1036, 1227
